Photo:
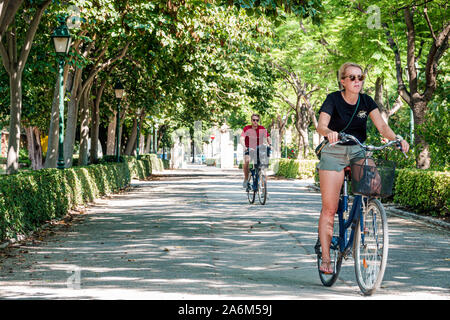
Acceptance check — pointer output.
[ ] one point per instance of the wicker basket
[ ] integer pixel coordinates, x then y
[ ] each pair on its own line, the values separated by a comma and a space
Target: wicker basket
373, 177
261, 156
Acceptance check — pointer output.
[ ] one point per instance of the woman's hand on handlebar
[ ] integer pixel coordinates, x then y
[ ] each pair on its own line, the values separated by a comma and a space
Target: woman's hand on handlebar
333, 137
405, 146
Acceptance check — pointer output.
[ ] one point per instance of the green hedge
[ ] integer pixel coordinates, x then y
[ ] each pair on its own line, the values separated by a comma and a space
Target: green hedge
296, 169
423, 191
156, 163
29, 199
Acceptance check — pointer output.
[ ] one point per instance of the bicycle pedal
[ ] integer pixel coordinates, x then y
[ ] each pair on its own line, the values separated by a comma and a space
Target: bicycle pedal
347, 254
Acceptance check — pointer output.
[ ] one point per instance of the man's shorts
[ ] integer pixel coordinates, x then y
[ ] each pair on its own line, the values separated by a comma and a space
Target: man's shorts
337, 157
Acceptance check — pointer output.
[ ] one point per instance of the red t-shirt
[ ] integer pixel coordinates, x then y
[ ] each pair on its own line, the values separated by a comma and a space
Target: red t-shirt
254, 138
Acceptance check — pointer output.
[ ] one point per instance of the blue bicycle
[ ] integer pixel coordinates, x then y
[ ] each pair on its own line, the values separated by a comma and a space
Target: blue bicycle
257, 181
362, 230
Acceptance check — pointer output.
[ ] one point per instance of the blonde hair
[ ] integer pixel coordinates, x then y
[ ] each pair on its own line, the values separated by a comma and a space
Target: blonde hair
255, 115
344, 68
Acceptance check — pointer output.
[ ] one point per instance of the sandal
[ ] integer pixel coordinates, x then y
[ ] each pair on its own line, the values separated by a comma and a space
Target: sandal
326, 267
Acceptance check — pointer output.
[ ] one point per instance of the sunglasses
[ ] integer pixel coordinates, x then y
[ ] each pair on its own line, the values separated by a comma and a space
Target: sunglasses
257, 120
353, 77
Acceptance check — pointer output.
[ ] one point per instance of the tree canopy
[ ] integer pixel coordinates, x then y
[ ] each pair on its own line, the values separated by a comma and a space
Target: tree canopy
218, 61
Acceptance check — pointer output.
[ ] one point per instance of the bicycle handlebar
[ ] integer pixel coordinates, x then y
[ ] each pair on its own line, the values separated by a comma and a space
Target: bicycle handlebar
347, 137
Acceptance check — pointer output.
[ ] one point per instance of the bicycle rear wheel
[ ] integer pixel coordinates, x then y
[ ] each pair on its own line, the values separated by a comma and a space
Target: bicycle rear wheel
250, 192
371, 247
262, 187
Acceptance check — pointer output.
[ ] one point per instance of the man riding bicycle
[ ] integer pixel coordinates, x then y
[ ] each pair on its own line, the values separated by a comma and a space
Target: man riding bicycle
252, 136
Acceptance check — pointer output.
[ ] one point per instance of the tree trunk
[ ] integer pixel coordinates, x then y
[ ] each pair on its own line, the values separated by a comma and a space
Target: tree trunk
155, 139
379, 93
96, 122
148, 144
69, 134
281, 123
303, 142
12, 162
422, 147
110, 144
72, 119
34, 147
141, 143
51, 157
84, 128
132, 139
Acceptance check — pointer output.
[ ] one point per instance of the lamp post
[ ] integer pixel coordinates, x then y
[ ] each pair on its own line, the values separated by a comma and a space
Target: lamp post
61, 40
138, 133
119, 91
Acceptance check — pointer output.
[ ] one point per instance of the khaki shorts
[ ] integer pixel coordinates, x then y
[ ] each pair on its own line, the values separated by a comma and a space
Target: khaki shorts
337, 157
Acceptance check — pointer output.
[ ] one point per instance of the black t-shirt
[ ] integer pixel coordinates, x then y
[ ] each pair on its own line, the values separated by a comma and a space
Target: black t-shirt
341, 112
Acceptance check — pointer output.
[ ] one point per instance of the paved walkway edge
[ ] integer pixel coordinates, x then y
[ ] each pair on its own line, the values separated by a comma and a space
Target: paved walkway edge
406, 214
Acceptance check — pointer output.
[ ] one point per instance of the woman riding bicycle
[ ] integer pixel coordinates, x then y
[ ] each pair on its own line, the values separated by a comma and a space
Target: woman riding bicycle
343, 111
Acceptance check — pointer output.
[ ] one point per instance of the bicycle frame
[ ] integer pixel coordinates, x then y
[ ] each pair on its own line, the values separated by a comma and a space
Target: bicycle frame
356, 214
255, 174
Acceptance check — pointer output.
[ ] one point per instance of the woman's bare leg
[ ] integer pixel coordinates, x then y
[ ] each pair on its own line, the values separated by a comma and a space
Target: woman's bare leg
330, 186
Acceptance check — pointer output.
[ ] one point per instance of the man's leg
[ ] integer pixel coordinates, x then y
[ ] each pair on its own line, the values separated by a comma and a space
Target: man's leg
245, 168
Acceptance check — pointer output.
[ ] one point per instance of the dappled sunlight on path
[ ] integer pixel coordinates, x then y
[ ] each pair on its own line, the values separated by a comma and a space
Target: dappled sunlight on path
194, 238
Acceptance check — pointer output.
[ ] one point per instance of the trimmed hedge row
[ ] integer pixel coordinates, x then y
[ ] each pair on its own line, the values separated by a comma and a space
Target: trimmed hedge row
424, 191
295, 169
29, 199
156, 163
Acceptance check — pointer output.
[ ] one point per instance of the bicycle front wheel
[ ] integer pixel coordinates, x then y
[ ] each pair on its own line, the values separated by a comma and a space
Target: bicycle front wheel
262, 187
371, 247
250, 192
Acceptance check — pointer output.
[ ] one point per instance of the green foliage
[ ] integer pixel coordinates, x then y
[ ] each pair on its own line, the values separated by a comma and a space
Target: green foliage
424, 191
295, 169
29, 199
306, 168
156, 164
399, 123
436, 132
290, 151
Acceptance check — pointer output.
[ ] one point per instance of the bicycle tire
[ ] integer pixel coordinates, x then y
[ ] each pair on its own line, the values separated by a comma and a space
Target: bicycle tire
262, 187
251, 194
336, 258
371, 252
